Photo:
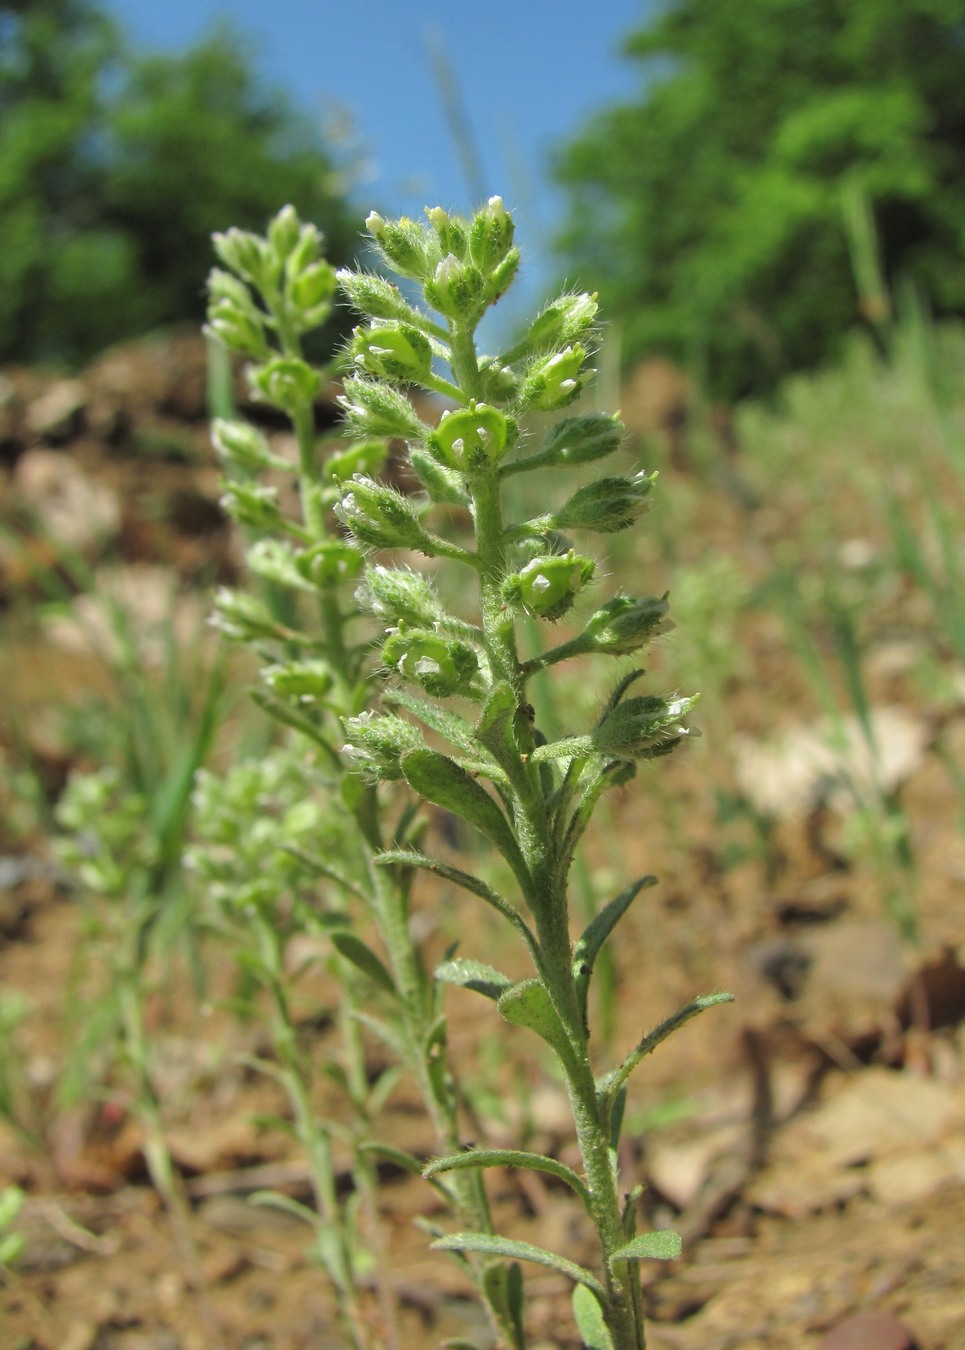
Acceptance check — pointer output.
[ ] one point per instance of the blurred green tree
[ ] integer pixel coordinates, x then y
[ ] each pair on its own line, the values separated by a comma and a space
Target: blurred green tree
115, 169
723, 215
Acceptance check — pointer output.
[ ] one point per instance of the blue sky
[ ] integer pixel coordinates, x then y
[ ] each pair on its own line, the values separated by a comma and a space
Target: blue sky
528, 73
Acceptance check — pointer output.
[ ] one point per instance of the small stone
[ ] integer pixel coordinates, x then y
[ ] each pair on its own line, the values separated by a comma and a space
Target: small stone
55, 415
870, 1331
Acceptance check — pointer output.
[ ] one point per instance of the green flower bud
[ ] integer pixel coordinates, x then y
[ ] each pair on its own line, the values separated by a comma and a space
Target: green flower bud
375, 744
366, 457
375, 409
490, 235
307, 251
253, 505
642, 728
624, 625
398, 595
566, 320
470, 438
243, 618
412, 251
242, 447
237, 329
244, 253
276, 561
553, 381
501, 277
286, 382
450, 231
392, 351
440, 665
314, 287
547, 586
329, 563
225, 286
455, 289
607, 506
374, 296
283, 232
499, 384
441, 484
380, 517
306, 681
581, 440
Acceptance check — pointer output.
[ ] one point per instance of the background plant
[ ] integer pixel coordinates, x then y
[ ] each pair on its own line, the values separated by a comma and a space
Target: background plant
115, 169
724, 197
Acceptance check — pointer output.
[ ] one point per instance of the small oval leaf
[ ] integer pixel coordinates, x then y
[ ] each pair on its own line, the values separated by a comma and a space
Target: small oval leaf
365, 959
474, 975
662, 1245
590, 1321
447, 784
528, 1004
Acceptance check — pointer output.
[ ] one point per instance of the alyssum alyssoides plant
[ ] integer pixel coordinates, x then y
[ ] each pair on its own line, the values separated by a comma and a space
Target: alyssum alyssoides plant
530, 799
270, 293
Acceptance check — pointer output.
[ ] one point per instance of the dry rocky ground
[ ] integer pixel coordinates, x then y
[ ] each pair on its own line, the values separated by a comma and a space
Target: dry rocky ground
808, 1141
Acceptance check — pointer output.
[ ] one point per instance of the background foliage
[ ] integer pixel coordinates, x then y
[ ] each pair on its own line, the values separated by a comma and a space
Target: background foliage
716, 214
115, 169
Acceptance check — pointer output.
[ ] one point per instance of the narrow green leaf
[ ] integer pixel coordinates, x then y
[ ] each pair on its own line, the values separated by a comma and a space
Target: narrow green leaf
602, 925
455, 729
413, 858
614, 1081
474, 975
528, 1004
588, 1314
321, 867
490, 1244
362, 956
619, 693
662, 1245
274, 1200
386, 1033
598, 930
283, 713
510, 1157
515, 1299
382, 1089
570, 747
445, 783
402, 1158
494, 728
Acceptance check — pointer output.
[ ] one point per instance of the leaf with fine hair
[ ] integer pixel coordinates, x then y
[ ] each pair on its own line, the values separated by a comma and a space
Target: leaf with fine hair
413, 858
590, 1322
510, 1157
455, 729
614, 1081
364, 958
494, 729
474, 975
598, 930
662, 1245
445, 783
528, 1004
490, 1244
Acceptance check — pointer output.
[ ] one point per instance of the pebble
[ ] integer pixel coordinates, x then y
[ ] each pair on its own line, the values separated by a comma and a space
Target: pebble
870, 1331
